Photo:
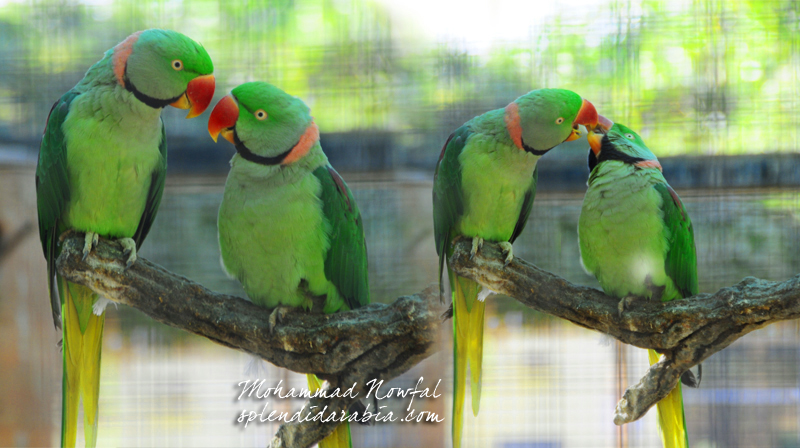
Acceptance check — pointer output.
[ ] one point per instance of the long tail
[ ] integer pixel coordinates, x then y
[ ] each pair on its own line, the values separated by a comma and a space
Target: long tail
340, 437
81, 346
671, 418
467, 348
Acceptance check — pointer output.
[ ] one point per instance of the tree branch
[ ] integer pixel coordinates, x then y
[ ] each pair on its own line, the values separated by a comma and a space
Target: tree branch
383, 341
374, 342
685, 331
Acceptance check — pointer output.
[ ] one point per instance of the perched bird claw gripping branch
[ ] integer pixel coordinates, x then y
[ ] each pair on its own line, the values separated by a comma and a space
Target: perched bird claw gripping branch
384, 341
101, 169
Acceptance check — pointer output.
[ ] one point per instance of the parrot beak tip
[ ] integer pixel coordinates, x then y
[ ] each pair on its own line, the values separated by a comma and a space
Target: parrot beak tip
223, 119
198, 95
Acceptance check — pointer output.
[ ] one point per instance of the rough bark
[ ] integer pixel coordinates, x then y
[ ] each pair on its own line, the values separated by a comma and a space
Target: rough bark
374, 342
383, 341
685, 331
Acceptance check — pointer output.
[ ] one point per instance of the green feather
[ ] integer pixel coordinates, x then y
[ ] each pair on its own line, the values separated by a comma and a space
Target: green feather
637, 239
154, 193
527, 206
484, 186
52, 192
102, 163
346, 260
448, 201
291, 232
681, 260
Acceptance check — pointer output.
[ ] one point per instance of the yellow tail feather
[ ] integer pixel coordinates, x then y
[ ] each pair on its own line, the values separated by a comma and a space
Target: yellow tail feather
671, 417
81, 355
340, 437
468, 317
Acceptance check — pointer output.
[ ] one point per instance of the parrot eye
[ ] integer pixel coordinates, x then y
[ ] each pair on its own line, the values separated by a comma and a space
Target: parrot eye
629, 136
559, 120
177, 64
260, 115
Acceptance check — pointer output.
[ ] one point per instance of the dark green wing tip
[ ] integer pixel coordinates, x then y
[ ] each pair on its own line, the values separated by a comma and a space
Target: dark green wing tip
448, 201
346, 260
681, 262
52, 191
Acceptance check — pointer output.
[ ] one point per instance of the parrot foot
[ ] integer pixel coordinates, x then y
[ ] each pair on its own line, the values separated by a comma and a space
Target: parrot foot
277, 316
508, 251
128, 250
89, 243
100, 305
624, 303
688, 378
485, 292
477, 243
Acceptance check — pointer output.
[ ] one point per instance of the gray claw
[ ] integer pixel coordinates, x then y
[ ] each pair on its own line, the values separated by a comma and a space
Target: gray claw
90, 241
128, 250
277, 316
624, 303
477, 244
508, 251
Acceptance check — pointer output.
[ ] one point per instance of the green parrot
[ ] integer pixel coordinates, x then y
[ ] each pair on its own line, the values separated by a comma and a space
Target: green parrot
289, 228
483, 189
637, 239
101, 169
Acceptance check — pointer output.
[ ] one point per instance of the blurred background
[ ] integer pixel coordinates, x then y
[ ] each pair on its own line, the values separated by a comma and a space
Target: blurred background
712, 87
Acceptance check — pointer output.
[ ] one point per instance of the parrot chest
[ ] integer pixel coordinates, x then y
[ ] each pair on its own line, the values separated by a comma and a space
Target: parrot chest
111, 158
274, 240
494, 185
623, 241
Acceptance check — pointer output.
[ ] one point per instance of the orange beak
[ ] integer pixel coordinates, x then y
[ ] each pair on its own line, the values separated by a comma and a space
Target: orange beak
223, 118
197, 97
595, 140
587, 116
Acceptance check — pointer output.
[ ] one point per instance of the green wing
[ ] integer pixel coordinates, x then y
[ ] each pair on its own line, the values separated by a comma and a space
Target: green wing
681, 263
527, 206
448, 199
153, 194
52, 191
346, 261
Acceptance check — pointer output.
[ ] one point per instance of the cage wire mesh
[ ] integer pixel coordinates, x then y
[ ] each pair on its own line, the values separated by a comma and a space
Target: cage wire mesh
387, 84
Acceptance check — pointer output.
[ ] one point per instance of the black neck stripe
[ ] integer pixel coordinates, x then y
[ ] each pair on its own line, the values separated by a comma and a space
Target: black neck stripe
535, 152
248, 155
609, 152
155, 103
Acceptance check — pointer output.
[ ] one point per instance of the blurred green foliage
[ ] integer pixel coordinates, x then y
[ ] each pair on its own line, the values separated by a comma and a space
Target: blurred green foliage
695, 77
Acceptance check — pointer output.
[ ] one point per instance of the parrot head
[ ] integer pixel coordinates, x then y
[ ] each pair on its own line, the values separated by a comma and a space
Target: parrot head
614, 141
267, 125
163, 67
544, 118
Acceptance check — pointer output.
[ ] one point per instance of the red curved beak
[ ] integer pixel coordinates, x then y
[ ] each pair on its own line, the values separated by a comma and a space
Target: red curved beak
197, 97
587, 116
223, 118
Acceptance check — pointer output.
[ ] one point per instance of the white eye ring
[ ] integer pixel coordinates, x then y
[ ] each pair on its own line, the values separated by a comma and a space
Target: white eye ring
260, 114
559, 120
629, 136
177, 64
